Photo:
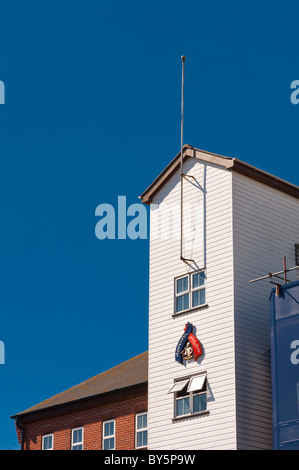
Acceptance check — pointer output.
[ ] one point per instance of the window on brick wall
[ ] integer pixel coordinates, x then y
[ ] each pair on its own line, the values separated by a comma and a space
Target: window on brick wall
48, 442
109, 435
77, 439
141, 430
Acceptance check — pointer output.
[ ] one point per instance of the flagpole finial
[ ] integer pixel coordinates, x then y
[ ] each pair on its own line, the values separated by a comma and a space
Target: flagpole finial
183, 58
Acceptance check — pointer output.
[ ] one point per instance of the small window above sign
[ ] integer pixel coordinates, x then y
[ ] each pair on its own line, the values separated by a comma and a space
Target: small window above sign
190, 291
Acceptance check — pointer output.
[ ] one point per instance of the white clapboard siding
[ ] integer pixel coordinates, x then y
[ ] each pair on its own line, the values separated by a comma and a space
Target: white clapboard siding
265, 228
207, 240
238, 229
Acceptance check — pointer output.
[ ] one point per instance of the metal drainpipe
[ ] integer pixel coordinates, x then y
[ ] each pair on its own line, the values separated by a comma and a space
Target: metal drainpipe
22, 430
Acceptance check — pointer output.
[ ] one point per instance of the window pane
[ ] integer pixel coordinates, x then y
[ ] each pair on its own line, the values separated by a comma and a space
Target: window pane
182, 302
78, 447
77, 436
109, 429
139, 439
141, 421
48, 442
179, 407
182, 285
198, 297
183, 407
142, 439
178, 386
109, 444
199, 402
197, 383
198, 280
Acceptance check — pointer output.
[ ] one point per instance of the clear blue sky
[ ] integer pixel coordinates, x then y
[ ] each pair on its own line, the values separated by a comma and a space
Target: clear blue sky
92, 112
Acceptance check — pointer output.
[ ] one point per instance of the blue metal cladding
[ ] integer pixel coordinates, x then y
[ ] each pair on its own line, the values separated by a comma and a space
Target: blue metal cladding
285, 366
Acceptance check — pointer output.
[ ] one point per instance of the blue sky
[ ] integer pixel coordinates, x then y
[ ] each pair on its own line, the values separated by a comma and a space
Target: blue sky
92, 112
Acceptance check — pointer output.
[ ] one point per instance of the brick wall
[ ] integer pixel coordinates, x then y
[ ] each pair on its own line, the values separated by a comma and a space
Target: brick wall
122, 408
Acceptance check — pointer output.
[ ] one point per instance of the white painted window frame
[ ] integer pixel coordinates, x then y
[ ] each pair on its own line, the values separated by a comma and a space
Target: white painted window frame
43, 441
189, 395
181, 294
186, 381
79, 442
140, 429
110, 435
189, 291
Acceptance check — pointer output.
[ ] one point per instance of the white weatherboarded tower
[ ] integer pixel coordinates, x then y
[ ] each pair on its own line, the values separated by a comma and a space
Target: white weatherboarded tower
238, 224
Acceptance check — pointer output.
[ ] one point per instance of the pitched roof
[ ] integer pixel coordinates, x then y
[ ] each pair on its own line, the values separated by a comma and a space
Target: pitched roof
127, 374
229, 163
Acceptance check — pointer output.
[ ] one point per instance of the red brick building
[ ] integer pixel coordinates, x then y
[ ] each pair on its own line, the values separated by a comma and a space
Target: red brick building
108, 411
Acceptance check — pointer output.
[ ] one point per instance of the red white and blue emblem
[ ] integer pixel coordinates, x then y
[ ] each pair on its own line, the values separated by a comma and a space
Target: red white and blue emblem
188, 346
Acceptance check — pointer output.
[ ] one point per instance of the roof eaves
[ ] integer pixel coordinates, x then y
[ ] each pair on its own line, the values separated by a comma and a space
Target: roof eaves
75, 401
265, 178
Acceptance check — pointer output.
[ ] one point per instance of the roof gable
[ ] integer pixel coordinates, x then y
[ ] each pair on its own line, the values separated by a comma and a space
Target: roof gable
228, 163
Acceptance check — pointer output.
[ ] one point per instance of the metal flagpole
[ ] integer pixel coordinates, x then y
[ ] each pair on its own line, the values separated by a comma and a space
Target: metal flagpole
181, 171
182, 112
182, 143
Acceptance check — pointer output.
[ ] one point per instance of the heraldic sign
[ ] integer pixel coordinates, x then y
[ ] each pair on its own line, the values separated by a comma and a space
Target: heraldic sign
188, 346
